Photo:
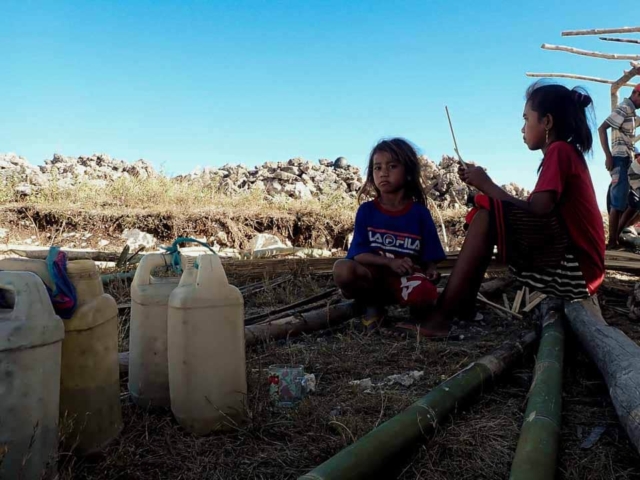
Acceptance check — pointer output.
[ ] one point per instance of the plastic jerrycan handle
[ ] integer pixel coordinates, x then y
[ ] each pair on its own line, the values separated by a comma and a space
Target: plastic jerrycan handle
147, 264
25, 285
211, 272
39, 267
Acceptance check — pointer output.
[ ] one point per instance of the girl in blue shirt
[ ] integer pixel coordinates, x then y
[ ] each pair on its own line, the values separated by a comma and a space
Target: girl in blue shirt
392, 258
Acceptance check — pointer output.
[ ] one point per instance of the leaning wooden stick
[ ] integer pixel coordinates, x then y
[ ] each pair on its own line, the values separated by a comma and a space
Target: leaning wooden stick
455, 143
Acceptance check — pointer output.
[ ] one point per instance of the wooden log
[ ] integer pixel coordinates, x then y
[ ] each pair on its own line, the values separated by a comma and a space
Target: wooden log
305, 322
600, 31
621, 40
589, 53
572, 76
617, 358
299, 310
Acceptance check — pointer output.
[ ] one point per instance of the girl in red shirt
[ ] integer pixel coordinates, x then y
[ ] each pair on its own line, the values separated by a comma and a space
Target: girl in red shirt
554, 241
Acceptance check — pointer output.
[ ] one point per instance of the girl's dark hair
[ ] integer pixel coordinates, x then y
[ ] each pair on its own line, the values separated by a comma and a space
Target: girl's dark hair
572, 111
403, 152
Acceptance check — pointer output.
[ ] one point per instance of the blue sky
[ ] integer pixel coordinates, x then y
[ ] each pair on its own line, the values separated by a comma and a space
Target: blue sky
185, 84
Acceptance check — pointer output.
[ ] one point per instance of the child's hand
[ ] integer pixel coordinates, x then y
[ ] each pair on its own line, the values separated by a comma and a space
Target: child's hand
475, 177
432, 274
401, 266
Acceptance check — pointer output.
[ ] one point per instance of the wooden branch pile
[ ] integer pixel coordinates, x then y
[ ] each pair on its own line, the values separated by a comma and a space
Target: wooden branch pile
627, 75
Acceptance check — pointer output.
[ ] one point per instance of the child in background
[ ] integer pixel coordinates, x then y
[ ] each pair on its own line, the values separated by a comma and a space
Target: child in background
395, 247
632, 214
554, 241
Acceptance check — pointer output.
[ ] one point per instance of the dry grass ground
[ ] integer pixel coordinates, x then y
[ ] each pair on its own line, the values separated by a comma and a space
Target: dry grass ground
477, 443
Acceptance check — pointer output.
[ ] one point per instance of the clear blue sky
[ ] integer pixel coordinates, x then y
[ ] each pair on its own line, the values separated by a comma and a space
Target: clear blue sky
194, 83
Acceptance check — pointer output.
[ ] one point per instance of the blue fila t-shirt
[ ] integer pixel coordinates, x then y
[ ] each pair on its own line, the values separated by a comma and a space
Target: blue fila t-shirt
409, 232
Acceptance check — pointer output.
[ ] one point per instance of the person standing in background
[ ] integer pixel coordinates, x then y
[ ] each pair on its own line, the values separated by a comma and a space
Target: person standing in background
618, 160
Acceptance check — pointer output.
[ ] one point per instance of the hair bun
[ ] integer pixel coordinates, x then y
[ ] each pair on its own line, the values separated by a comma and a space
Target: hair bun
583, 100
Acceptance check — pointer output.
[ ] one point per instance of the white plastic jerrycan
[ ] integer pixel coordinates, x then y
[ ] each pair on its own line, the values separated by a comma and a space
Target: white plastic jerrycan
207, 368
148, 369
90, 387
30, 358
89, 381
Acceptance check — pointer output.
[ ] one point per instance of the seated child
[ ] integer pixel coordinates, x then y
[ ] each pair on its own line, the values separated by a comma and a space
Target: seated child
392, 258
553, 241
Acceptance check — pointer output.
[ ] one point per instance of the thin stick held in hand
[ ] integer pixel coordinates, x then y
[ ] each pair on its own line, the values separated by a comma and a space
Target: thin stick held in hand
455, 143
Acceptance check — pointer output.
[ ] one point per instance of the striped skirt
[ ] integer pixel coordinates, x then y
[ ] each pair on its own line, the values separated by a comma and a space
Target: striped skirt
538, 250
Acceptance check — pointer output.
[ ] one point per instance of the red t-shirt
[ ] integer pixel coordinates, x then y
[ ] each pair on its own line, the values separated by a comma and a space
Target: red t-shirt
565, 171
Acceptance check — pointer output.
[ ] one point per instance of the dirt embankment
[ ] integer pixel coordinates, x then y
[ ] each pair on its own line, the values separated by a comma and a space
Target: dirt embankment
39, 225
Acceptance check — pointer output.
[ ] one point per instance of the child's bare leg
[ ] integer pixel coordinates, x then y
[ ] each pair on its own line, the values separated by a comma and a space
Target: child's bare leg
357, 282
353, 279
629, 217
466, 277
614, 228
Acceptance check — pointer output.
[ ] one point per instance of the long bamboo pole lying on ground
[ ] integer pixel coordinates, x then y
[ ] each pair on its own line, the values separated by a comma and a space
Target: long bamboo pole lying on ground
600, 31
575, 77
617, 358
374, 452
537, 450
589, 53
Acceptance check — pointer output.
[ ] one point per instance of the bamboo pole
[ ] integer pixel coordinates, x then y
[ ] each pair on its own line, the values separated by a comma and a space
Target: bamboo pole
589, 53
600, 31
304, 322
370, 455
617, 358
575, 77
537, 450
621, 40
